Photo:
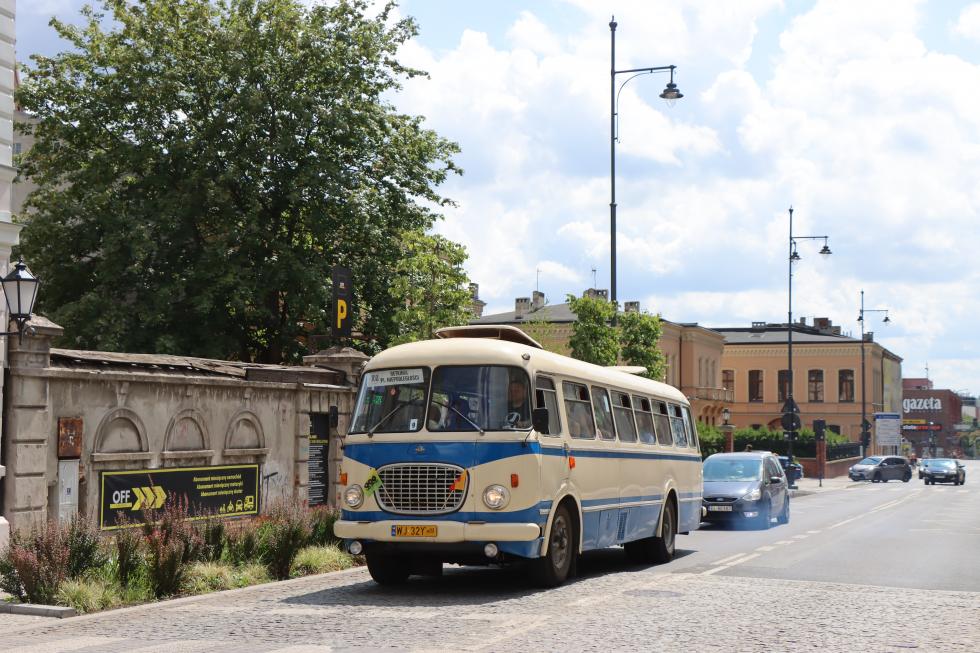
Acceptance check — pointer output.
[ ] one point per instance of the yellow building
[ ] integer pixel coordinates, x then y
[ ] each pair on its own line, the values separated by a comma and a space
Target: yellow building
826, 375
693, 353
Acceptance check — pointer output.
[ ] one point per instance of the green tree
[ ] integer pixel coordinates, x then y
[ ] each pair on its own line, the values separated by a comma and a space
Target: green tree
202, 164
593, 339
639, 335
432, 286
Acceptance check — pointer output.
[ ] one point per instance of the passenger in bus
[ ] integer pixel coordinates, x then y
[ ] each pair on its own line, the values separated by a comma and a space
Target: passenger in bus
437, 417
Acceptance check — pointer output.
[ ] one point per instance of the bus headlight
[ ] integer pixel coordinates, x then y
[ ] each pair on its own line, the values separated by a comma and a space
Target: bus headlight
354, 496
496, 497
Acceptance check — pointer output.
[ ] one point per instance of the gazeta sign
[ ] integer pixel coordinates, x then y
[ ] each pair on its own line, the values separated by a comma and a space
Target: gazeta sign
922, 403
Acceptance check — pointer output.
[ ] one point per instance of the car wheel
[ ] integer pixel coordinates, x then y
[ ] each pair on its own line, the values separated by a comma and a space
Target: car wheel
907, 478
387, 570
876, 478
784, 516
553, 568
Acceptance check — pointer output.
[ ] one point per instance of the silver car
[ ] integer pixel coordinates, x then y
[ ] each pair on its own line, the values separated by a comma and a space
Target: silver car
881, 469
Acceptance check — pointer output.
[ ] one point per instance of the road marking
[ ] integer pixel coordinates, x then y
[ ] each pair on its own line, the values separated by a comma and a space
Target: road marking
729, 559
742, 559
813, 532
785, 542
962, 491
884, 506
800, 537
846, 521
765, 548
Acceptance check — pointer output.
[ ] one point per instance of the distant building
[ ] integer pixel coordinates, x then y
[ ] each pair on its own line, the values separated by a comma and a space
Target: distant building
826, 375
930, 417
693, 353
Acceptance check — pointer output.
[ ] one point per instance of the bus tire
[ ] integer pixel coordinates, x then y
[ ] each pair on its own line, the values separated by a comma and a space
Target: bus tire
553, 569
387, 570
662, 548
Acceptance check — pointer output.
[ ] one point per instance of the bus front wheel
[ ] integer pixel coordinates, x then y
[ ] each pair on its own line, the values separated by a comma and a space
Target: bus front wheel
553, 568
387, 570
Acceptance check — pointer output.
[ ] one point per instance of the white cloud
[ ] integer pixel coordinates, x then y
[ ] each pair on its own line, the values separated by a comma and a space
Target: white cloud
968, 24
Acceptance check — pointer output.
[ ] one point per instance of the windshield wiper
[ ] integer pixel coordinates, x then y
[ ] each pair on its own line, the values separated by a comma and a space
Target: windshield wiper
385, 419
453, 408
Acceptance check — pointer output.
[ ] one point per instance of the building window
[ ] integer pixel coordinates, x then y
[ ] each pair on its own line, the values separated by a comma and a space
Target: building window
845, 385
755, 385
17, 148
815, 385
783, 385
728, 380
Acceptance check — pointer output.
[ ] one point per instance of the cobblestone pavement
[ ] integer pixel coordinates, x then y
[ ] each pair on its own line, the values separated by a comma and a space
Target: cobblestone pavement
612, 607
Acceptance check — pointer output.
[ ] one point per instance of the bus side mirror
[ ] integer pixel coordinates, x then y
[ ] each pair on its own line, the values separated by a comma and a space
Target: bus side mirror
539, 419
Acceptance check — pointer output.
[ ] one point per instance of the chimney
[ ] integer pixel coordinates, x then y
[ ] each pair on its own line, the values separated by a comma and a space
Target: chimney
758, 326
537, 300
631, 307
802, 321
869, 336
522, 305
476, 304
596, 294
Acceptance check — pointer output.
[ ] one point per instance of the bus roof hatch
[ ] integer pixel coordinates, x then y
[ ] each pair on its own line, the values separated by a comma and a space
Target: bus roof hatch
493, 332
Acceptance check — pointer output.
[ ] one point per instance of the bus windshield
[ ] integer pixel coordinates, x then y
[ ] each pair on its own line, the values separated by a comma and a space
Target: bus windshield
479, 398
391, 401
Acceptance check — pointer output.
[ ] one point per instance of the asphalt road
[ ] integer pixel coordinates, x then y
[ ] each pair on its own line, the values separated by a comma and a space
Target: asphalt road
860, 567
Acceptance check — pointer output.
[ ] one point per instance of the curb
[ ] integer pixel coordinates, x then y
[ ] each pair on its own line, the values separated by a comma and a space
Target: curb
37, 610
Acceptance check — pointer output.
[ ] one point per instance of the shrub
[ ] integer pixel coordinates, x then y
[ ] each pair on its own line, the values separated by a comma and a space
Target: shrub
283, 532
250, 574
213, 537
321, 526
89, 595
39, 562
320, 560
241, 542
84, 546
203, 577
9, 582
129, 554
172, 542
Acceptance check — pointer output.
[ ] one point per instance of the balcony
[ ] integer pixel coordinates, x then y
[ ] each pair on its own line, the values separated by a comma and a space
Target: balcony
710, 394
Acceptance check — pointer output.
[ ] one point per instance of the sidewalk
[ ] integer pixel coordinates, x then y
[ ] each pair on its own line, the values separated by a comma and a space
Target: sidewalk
806, 486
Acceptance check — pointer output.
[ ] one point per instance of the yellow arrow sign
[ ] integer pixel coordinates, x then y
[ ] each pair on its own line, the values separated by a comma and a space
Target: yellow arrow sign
149, 498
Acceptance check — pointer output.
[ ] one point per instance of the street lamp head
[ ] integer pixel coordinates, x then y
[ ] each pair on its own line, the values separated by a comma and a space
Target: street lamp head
825, 251
886, 320
794, 257
671, 93
861, 318
20, 290
726, 414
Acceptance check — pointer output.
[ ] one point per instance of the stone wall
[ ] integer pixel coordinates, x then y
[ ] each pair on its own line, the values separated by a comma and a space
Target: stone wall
151, 412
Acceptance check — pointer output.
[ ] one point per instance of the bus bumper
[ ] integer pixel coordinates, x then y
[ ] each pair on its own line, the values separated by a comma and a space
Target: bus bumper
448, 531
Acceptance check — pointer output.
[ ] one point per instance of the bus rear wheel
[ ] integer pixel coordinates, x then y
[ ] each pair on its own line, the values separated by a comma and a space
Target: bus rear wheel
552, 570
387, 570
662, 548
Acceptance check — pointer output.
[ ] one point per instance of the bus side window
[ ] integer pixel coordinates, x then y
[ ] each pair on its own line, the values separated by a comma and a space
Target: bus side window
663, 424
623, 413
692, 430
579, 410
545, 396
644, 420
677, 426
603, 413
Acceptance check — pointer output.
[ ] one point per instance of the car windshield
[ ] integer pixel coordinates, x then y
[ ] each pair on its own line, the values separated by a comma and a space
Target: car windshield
945, 464
391, 401
732, 469
873, 460
479, 398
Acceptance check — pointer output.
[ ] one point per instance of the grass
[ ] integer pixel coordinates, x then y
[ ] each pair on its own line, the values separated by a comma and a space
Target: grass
320, 560
89, 595
250, 574
204, 577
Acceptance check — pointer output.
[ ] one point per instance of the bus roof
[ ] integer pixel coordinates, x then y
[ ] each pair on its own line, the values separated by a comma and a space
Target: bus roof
484, 351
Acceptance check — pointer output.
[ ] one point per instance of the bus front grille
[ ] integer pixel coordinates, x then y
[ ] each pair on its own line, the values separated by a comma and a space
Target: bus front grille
421, 489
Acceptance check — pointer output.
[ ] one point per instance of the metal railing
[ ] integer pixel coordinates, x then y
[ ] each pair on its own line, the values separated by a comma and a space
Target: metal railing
712, 394
841, 451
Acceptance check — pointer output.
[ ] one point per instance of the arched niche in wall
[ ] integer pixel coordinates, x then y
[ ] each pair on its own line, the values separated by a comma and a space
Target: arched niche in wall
245, 436
187, 431
187, 436
121, 431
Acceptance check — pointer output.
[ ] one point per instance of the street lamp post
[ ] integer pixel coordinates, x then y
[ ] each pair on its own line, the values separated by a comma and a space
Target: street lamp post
791, 412
865, 425
671, 94
20, 291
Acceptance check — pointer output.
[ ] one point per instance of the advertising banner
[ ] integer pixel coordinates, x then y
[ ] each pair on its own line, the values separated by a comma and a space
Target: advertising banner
888, 429
226, 491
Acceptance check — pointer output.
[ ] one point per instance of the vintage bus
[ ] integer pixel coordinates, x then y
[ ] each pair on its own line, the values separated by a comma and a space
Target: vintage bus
481, 447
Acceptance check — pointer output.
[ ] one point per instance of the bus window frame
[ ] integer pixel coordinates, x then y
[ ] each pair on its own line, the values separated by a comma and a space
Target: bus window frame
612, 418
587, 402
529, 397
558, 400
629, 413
653, 424
428, 373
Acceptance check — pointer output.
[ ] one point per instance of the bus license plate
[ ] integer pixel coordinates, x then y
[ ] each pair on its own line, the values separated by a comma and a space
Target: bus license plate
415, 531
720, 508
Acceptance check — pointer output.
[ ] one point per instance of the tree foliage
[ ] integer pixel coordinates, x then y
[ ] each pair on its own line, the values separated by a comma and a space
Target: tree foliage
639, 334
202, 164
594, 339
432, 286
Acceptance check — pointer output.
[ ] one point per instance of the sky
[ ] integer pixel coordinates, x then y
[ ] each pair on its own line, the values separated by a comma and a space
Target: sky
862, 116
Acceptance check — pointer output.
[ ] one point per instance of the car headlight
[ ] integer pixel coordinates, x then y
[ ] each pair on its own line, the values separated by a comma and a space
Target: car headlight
496, 497
754, 495
354, 496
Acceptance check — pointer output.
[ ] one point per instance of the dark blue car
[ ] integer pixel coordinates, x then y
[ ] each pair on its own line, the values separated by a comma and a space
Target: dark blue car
748, 487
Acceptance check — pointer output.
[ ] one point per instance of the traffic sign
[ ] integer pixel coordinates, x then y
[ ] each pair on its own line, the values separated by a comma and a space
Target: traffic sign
791, 421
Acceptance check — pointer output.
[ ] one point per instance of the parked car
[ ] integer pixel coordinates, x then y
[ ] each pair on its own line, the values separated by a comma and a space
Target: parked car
793, 471
881, 469
945, 470
745, 487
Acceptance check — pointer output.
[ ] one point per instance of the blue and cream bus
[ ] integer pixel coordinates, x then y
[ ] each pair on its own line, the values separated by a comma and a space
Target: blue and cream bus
481, 447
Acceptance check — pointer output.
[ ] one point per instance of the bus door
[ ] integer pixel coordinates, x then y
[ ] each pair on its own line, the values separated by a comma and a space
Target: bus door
554, 447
